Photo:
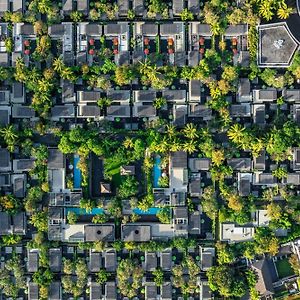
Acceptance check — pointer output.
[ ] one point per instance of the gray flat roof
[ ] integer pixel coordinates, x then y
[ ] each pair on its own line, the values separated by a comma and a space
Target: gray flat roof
276, 45
235, 30
4, 117
63, 111
121, 95
55, 259
118, 110
95, 262
150, 29
138, 233
4, 6
55, 291
20, 111
145, 96
89, 111
110, 290
99, 232
179, 159
4, 158
172, 28
95, 291
5, 223
33, 261
110, 260
33, 291
55, 159
146, 111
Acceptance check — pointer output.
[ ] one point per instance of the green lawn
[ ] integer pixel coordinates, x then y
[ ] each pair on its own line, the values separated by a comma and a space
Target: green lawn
284, 268
113, 170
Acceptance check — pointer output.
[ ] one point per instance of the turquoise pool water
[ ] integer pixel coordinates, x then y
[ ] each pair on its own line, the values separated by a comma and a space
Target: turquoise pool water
156, 171
150, 211
82, 211
76, 173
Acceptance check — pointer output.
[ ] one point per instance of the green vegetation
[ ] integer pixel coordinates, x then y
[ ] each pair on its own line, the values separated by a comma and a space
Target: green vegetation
284, 268
129, 277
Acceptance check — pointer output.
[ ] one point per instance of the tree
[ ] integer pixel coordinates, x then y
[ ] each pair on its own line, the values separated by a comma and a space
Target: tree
128, 143
189, 146
163, 181
158, 276
10, 204
58, 64
43, 277
164, 215
129, 278
236, 133
102, 276
190, 131
186, 15
295, 264
230, 73
87, 204
99, 246
76, 16
280, 173
218, 157
159, 102
9, 44
235, 202
123, 75
12, 239
67, 266
72, 217
265, 10
39, 27
266, 242
100, 218
10, 136
283, 11
237, 16
104, 102
225, 253
226, 282
209, 202
128, 187
40, 221
274, 211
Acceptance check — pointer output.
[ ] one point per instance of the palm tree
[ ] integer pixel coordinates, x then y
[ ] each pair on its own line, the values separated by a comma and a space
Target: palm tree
171, 130
284, 12
256, 147
9, 134
190, 131
44, 86
236, 133
44, 6
189, 146
128, 143
175, 145
159, 102
162, 146
265, 10
58, 64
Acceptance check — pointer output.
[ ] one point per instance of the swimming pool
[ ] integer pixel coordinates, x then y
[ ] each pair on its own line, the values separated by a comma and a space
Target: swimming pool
76, 173
156, 171
82, 211
150, 211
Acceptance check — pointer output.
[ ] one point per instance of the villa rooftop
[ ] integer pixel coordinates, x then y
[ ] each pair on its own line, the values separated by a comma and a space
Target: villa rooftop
277, 45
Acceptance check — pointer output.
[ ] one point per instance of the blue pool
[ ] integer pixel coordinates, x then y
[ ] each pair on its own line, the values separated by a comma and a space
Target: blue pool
156, 171
76, 173
150, 211
82, 211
